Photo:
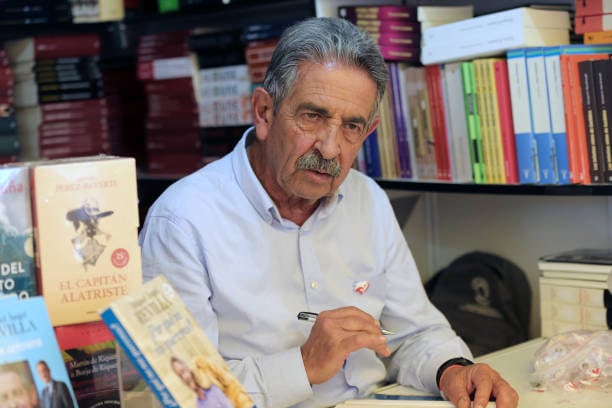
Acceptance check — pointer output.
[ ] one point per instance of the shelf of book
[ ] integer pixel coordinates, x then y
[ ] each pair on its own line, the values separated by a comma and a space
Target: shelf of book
505, 189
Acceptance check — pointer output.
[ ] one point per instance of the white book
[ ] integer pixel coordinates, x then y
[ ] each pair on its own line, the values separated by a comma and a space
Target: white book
494, 33
445, 13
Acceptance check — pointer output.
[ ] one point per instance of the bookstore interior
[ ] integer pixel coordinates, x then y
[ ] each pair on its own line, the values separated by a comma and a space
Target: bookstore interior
494, 138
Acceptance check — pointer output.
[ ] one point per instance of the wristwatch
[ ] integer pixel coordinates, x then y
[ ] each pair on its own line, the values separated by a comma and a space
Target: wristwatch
462, 361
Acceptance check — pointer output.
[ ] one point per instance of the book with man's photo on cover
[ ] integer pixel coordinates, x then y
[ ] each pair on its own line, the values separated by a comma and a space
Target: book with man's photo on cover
32, 371
170, 350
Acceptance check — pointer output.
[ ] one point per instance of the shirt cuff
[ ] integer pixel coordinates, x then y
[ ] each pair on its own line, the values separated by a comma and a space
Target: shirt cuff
285, 378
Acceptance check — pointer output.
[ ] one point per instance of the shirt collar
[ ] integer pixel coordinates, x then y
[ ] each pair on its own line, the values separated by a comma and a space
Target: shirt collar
258, 196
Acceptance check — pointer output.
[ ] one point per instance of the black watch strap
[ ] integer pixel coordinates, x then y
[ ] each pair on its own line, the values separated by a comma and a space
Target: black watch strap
462, 361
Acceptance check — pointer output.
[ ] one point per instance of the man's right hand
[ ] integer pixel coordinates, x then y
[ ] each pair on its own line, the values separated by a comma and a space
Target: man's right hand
335, 334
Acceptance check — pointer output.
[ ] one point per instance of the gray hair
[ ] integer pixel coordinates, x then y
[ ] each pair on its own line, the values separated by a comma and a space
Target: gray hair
319, 40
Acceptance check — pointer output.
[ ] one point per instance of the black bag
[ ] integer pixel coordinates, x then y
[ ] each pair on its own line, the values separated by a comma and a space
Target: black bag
486, 299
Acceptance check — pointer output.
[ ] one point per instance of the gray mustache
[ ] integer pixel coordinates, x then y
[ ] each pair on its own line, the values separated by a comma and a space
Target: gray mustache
314, 161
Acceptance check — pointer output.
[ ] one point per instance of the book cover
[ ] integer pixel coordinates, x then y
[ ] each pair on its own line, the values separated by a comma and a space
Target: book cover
592, 7
17, 264
526, 148
89, 351
171, 351
598, 37
597, 22
473, 122
85, 212
30, 356
385, 12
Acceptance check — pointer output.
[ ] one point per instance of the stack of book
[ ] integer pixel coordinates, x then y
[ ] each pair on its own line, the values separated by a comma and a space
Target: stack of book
493, 34
259, 43
395, 29
78, 217
35, 12
593, 19
168, 70
9, 139
575, 291
59, 96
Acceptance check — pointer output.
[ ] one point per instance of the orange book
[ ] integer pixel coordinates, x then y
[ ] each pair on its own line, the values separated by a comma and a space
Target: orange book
85, 214
598, 37
574, 117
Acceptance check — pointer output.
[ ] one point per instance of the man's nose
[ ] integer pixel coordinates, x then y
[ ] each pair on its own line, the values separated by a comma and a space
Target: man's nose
328, 142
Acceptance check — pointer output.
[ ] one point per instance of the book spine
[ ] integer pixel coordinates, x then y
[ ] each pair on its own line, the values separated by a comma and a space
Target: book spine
592, 7
484, 118
400, 124
473, 122
598, 22
49, 47
526, 149
494, 120
540, 115
138, 359
438, 125
554, 89
591, 120
598, 37
504, 106
602, 70
372, 157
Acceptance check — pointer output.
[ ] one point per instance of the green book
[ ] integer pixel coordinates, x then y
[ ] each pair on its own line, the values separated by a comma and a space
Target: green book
473, 121
166, 6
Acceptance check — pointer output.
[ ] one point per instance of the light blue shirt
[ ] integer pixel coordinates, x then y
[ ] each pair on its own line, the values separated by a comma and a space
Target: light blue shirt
245, 273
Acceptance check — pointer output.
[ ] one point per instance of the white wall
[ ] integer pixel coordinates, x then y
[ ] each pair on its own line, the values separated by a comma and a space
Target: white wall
443, 226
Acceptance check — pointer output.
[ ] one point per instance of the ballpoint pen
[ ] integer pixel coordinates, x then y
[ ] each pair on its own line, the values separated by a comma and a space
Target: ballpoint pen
312, 317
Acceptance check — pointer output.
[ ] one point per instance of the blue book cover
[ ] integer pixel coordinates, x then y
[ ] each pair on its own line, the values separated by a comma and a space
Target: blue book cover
30, 359
526, 148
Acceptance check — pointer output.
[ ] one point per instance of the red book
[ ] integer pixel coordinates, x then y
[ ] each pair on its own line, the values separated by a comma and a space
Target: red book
592, 7
433, 80
172, 123
150, 40
174, 163
412, 40
574, 117
185, 142
598, 22
400, 53
72, 105
58, 152
504, 104
378, 27
52, 46
170, 86
165, 51
257, 52
90, 355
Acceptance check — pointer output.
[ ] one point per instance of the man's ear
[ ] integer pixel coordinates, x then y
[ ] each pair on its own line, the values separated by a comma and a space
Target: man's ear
263, 111
373, 125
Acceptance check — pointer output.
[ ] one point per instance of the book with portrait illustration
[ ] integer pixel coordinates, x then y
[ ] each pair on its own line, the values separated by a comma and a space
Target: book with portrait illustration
29, 355
17, 265
170, 350
85, 213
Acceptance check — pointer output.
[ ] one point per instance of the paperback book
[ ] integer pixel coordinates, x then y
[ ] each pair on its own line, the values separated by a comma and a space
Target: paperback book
30, 359
17, 265
170, 350
85, 211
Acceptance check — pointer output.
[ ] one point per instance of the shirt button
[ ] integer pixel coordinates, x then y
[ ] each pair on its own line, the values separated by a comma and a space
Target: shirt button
314, 284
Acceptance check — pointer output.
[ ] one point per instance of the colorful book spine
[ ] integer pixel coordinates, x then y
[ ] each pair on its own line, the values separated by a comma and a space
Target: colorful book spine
593, 125
504, 105
484, 115
438, 124
540, 115
602, 78
400, 122
473, 122
526, 148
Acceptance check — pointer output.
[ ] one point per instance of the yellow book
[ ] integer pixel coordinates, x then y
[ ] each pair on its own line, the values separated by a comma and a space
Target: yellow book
85, 214
485, 121
598, 37
494, 121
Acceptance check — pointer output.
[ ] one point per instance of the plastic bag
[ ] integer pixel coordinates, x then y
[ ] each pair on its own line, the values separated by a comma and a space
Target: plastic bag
573, 361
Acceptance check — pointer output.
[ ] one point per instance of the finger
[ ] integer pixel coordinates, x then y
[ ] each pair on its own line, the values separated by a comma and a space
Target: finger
463, 402
505, 395
483, 393
375, 342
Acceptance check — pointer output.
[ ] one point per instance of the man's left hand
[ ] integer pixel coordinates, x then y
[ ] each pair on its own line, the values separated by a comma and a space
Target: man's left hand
457, 383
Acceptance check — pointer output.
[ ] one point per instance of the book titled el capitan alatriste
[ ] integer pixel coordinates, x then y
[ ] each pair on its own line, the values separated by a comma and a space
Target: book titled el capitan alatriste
85, 213
32, 371
170, 350
17, 265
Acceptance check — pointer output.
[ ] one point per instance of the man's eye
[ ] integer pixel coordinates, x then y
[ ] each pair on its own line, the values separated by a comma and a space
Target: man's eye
312, 116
